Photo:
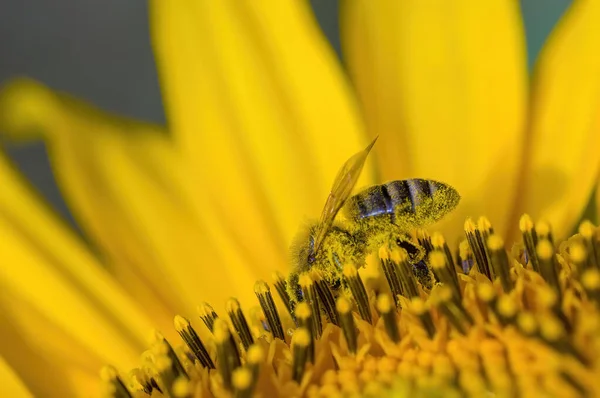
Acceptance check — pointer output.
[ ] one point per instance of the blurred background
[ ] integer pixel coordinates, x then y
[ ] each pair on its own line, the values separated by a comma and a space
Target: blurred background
100, 51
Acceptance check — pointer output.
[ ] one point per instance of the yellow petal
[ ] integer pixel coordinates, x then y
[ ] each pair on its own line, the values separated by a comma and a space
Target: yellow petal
11, 385
257, 101
443, 83
562, 154
126, 187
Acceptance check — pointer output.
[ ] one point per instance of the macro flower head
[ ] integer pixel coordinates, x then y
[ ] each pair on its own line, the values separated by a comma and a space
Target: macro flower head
261, 116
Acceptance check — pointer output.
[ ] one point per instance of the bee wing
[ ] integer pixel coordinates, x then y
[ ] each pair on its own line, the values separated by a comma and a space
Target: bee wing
342, 188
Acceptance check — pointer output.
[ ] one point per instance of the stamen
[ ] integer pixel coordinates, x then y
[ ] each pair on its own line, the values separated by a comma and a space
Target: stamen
115, 384
424, 240
281, 287
419, 308
548, 266
530, 240
163, 348
439, 243
465, 256
263, 292
310, 296
238, 320
405, 273
499, 261
306, 320
344, 309
325, 297
243, 382
476, 240
192, 340
181, 388
208, 315
578, 256
301, 341
357, 288
505, 309
144, 381
227, 355
437, 261
586, 230
443, 298
254, 357
388, 313
590, 280
391, 272
527, 323
543, 231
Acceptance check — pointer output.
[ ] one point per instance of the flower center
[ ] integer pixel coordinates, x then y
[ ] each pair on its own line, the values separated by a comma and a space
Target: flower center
523, 322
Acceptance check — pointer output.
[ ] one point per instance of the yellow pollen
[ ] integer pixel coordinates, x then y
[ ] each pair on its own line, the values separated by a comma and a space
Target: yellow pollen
542, 228
495, 242
384, 303
547, 296
255, 354
437, 240
485, 291
350, 271
417, 305
544, 249
180, 323
484, 224
551, 329
577, 252
181, 387
305, 280
506, 306
525, 223
527, 322
343, 305
470, 226
591, 279
242, 378
437, 259
303, 310
301, 337
586, 229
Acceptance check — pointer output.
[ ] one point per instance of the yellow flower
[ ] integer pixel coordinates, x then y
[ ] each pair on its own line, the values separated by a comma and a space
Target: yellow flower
260, 117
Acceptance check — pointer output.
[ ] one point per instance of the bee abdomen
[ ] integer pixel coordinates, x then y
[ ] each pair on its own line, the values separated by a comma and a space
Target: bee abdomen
386, 198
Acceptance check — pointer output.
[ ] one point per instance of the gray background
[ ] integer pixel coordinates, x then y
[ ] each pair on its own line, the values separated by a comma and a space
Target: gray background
100, 51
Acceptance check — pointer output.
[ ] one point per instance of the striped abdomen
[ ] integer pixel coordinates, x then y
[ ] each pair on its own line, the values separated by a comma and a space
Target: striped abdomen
404, 195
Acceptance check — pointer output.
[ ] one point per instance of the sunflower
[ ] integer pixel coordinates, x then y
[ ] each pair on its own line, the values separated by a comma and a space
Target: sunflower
260, 118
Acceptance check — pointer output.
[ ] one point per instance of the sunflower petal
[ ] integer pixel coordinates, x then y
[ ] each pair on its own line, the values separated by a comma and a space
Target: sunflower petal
562, 153
257, 101
444, 85
11, 385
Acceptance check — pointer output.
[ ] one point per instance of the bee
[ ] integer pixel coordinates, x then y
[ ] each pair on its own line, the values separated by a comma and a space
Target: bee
377, 215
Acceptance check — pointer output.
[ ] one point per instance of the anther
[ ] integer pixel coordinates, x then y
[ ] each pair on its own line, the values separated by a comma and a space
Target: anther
227, 355
263, 292
391, 272
192, 340
254, 358
405, 273
301, 341
437, 261
326, 298
281, 287
506, 309
344, 309
243, 382
590, 280
181, 388
527, 323
163, 349
424, 240
388, 313
309, 291
578, 256
115, 383
476, 240
208, 315
357, 288
499, 261
529, 240
239, 322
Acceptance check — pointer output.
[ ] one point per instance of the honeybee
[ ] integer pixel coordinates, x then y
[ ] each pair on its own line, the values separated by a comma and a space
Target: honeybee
377, 215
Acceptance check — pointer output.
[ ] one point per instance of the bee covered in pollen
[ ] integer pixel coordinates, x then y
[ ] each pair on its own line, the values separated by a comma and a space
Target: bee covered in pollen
378, 215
